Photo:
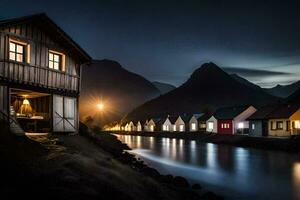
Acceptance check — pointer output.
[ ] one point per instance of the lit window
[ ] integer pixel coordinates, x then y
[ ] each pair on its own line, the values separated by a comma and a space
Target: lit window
210, 125
56, 60
193, 126
253, 126
222, 125
297, 124
16, 51
241, 125
174, 127
181, 128
279, 125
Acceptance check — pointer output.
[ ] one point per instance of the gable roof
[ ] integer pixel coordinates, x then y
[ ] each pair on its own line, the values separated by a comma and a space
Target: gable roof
229, 112
284, 111
49, 26
262, 113
204, 118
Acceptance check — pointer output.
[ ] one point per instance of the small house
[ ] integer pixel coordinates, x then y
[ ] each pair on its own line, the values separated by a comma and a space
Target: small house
180, 124
139, 126
233, 120
131, 126
202, 121
258, 122
212, 125
151, 125
193, 122
284, 121
167, 125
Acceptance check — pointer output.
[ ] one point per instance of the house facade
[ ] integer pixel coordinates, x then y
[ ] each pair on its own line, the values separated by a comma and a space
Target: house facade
284, 121
40, 75
212, 125
167, 126
151, 125
193, 124
180, 125
139, 126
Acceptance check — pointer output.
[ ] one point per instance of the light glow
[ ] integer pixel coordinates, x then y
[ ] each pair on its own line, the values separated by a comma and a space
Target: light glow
100, 106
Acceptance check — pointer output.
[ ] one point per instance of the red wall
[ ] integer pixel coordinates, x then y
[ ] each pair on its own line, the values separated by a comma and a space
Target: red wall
225, 130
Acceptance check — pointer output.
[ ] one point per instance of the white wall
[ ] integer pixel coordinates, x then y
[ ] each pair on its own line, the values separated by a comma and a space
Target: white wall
241, 118
214, 121
167, 126
180, 123
194, 121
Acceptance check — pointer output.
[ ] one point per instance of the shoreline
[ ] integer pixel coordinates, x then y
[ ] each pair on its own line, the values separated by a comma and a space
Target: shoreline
290, 144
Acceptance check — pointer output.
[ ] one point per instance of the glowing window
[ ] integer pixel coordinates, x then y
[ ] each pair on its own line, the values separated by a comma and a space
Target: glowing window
193, 126
16, 51
210, 125
174, 127
297, 124
56, 60
181, 127
253, 126
241, 125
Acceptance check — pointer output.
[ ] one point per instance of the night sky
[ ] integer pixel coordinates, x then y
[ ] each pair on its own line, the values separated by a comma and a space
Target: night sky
167, 40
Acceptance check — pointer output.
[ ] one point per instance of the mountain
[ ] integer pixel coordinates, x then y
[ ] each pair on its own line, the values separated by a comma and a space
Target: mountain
118, 89
283, 90
163, 87
294, 98
209, 87
245, 81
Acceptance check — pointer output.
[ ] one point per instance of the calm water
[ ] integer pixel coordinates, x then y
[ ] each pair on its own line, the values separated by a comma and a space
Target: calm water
234, 172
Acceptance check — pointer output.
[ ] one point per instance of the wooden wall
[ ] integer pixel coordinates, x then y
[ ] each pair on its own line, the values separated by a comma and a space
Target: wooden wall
37, 71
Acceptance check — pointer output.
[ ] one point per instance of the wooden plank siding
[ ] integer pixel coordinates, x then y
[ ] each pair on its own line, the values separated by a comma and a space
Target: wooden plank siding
37, 73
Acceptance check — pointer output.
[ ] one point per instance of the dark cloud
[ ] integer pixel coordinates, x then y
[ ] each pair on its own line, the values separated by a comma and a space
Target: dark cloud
253, 72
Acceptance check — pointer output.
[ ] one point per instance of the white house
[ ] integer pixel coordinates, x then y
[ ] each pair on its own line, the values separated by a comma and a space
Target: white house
193, 123
240, 122
212, 125
127, 127
167, 125
179, 125
131, 126
146, 125
151, 125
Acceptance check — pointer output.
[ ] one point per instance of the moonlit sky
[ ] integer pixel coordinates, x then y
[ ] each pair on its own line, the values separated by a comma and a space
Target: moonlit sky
167, 40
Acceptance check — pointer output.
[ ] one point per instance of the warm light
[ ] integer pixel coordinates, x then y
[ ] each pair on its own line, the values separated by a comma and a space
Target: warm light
241, 125
100, 106
26, 102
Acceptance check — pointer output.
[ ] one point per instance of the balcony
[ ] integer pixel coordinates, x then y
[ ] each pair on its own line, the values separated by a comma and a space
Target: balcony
22, 73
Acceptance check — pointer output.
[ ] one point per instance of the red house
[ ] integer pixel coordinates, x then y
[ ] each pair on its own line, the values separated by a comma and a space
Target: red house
232, 120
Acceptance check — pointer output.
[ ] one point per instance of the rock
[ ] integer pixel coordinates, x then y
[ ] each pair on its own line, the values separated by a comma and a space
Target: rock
211, 196
168, 179
180, 182
196, 186
148, 171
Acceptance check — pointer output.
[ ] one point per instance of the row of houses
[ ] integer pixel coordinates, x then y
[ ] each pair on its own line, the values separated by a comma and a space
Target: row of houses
277, 120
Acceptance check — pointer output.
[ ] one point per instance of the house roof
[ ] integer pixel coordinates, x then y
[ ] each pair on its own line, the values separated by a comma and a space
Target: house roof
173, 119
186, 117
229, 112
47, 24
283, 111
262, 113
204, 117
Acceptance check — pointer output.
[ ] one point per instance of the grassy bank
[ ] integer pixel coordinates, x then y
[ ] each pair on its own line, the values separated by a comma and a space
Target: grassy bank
82, 167
290, 144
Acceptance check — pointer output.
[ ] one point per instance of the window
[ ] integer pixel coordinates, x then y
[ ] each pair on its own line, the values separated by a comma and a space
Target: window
241, 125
253, 126
193, 126
174, 127
56, 61
16, 51
210, 125
279, 125
181, 128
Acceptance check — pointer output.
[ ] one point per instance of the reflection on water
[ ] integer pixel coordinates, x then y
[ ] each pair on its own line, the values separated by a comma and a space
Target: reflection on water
235, 172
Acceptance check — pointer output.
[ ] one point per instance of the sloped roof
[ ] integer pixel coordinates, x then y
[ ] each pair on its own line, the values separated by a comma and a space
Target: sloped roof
186, 117
173, 119
229, 112
204, 117
263, 112
284, 111
49, 26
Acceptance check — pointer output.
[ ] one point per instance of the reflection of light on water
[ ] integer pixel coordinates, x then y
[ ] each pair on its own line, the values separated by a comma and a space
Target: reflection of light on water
296, 180
151, 142
174, 149
241, 165
193, 152
138, 142
180, 149
211, 155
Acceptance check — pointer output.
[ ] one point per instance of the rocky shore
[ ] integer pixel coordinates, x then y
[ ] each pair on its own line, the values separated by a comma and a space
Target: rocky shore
289, 144
111, 144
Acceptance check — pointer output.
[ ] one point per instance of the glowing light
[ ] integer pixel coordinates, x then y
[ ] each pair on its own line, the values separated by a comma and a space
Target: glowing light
100, 106
26, 102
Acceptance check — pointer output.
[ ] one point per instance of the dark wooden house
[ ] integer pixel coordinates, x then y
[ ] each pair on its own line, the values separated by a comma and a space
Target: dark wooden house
40, 68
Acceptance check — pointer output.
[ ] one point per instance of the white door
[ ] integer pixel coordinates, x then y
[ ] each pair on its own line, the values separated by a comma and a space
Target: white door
64, 114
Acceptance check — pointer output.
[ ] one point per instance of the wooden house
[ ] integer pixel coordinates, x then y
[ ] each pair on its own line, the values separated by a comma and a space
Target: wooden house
284, 121
131, 126
145, 125
233, 120
258, 122
40, 69
151, 125
193, 123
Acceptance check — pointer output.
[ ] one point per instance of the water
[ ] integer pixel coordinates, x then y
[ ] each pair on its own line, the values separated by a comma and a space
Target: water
234, 172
